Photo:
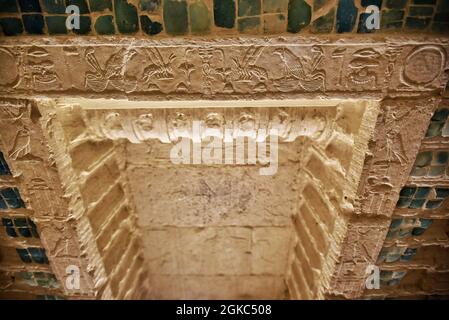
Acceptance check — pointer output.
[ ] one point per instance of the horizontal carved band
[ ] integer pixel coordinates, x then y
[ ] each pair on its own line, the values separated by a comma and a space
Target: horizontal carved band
168, 125
226, 67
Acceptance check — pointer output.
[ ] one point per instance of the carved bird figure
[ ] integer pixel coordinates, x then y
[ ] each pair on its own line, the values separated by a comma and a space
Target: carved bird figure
245, 68
159, 68
21, 146
304, 69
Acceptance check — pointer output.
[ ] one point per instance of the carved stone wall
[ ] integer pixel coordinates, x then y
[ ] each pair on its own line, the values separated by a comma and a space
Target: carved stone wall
352, 165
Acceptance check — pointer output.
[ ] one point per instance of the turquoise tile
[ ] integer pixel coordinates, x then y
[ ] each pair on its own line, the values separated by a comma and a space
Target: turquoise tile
248, 24
150, 27
417, 23
437, 171
105, 25
11, 26
81, 4
150, 5
407, 191
126, 17
275, 6
423, 159
249, 8
324, 24
100, 5
8, 6
175, 17
422, 192
420, 11
442, 192
85, 24
441, 115
199, 17
34, 23
31, 6
396, 4
224, 13
56, 24
433, 204
299, 15
346, 16
54, 6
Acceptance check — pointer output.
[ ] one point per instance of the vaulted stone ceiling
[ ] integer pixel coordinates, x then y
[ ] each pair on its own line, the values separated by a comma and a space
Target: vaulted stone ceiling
88, 124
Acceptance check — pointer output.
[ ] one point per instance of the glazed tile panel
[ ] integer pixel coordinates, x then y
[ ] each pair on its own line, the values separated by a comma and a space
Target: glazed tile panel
209, 17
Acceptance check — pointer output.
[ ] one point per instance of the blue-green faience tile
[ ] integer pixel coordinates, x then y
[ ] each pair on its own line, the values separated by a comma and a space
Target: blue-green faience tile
435, 129
425, 223
442, 192
392, 234
224, 13
105, 25
417, 203
422, 192
395, 223
396, 4
392, 15
419, 171
29, 6
392, 257
248, 24
423, 159
418, 231
4, 168
126, 16
150, 5
441, 157
404, 233
8, 6
407, 191
324, 24
24, 255
100, 5
150, 27
299, 15
249, 8
56, 24
403, 202
85, 25
175, 17
433, 204
440, 115
54, 6
33, 23
441, 17
81, 4
437, 171
417, 23
275, 6
346, 16
362, 23
424, 1
394, 282
386, 275
199, 17
366, 3
420, 11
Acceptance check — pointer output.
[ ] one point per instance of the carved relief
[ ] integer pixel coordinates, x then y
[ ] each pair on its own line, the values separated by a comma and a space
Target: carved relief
246, 72
302, 71
423, 66
36, 70
363, 67
229, 67
113, 72
160, 69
